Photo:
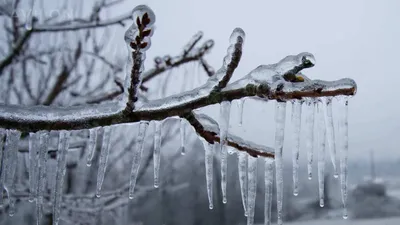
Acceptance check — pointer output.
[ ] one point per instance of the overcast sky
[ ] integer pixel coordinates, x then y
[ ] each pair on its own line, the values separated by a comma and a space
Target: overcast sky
356, 39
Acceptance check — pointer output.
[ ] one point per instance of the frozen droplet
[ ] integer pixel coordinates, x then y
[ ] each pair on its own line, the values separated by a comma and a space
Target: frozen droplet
330, 133
157, 152
243, 167
140, 12
238, 33
91, 145
182, 134
280, 120
224, 125
296, 122
240, 104
104, 153
137, 156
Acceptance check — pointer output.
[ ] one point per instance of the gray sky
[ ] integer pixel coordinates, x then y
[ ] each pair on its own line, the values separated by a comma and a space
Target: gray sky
356, 39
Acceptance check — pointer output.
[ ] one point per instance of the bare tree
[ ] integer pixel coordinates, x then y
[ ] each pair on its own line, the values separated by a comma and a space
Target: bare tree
56, 77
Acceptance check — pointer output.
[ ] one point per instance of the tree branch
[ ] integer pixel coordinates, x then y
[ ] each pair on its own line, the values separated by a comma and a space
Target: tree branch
35, 118
79, 26
207, 128
16, 50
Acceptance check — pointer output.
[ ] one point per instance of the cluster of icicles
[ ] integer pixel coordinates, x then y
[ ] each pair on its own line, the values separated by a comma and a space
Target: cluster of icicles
319, 120
320, 134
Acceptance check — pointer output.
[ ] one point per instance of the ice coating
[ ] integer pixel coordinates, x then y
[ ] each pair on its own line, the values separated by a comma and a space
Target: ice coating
311, 108
344, 148
273, 73
321, 153
208, 162
224, 115
34, 144
189, 46
63, 145
280, 119
137, 38
44, 142
240, 104
242, 170
269, 181
330, 133
137, 156
157, 151
10, 160
91, 145
210, 124
237, 36
296, 122
104, 152
252, 189
182, 134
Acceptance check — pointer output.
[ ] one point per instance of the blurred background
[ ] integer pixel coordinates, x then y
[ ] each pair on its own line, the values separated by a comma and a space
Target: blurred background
72, 52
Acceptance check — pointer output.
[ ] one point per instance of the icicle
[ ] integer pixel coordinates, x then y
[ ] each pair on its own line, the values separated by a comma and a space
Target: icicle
269, 181
280, 120
344, 135
44, 143
224, 125
2, 171
34, 145
252, 189
296, 121
240, 104
104, 152
242, 164
11, 160
137, 156
208, 161
182, 135
91, 145
311, 107
63, 145
321, 154
330, 133
157, 152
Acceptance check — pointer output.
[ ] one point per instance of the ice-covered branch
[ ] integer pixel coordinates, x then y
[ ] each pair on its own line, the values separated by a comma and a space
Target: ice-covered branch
189, 54
15, 51
137, 37
209, 130
35, 118
73, 26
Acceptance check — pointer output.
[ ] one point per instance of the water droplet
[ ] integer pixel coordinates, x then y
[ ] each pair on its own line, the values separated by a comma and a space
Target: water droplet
131, 197
224, 200
156, 186
309, 177
336, 175
295, 193
98, 195
88, 164
211, 206
321, 204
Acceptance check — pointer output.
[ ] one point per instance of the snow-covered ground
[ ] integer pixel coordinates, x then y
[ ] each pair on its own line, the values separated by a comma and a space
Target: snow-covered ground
382, 221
